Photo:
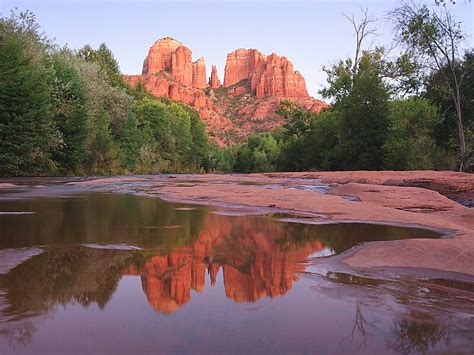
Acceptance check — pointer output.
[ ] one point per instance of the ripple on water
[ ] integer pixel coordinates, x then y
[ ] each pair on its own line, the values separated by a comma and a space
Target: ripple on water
112, 246
13, 213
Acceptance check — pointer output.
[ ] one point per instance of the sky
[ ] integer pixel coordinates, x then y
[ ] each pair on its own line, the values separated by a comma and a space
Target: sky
310, 33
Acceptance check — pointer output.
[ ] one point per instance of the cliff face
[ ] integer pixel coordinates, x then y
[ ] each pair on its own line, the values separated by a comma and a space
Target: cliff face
168, 54
271, 76
199, 74
253, 86
160, 56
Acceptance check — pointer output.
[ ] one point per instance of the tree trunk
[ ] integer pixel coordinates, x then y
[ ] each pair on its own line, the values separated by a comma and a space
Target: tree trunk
462, 141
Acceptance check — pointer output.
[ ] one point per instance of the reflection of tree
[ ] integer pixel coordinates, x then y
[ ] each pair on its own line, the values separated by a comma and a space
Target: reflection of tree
98, 218
58, 276
361, 325
418, 333
61, 276
18, 333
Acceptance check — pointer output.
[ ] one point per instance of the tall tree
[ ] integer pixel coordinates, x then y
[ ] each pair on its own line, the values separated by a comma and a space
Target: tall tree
360, 95
445, 131
26, 133
70, 115
436, 39
365, 117
410, 145
363, 29
103, 57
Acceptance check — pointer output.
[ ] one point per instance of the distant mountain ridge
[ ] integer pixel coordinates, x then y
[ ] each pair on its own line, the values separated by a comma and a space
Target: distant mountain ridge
246, 103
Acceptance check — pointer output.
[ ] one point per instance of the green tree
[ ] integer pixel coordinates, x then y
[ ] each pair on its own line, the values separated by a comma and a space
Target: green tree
105, 59
297, 120
410, 145
130, 143
200, 144
243, 161
70, 115
365, 117
446, 130
102, 94
323, 141
156, 129
297, 124
362, 100
219, 159
104, 152
434, 39
26, 133
258, 154
180, 124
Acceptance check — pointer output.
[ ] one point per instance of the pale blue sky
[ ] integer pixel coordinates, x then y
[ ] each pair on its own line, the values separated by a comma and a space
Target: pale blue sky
310, 33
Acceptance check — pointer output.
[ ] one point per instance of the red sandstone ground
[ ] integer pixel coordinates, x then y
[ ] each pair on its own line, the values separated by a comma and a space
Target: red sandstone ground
382, 197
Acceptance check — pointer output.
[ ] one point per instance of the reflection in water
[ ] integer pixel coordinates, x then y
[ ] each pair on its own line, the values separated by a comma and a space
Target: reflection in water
418, 333
245, 259
362, 327
57, 277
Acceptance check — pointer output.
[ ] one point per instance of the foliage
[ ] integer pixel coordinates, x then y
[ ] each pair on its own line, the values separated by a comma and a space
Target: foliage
410, 144
297, 120
446, 130
66, 112
323, 141
105, 59
69, 114
361, 99
103, 150
259, 154
26, 132
434, 40
365, 118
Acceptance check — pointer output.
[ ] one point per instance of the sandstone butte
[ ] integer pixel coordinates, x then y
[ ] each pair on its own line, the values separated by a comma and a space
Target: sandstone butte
254, 84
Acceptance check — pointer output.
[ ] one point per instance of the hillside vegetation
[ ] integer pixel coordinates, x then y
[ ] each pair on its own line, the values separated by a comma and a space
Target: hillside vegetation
65, 112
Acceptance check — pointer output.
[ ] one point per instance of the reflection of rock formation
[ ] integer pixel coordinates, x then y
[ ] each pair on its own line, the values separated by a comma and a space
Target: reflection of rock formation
167, 280
254, 264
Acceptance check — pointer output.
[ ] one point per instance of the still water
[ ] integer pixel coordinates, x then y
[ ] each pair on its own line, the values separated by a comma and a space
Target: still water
110, 273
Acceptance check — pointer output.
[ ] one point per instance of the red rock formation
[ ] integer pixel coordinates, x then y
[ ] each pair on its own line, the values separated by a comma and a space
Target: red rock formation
199, 73
241, 64
181, 66
214, 81
171, 56
271, 76
254, 85
160, 55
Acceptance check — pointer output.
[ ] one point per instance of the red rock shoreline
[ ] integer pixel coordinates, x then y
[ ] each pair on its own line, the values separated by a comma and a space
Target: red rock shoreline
381, 199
